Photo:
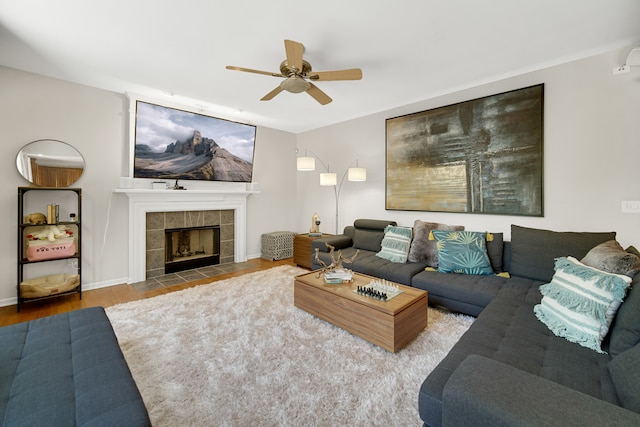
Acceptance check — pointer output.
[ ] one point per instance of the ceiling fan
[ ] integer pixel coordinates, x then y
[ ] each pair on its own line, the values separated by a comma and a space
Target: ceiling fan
297, 74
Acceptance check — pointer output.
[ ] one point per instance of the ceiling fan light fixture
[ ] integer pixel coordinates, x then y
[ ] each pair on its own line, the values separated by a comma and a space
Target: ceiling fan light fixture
295, 84
295, 71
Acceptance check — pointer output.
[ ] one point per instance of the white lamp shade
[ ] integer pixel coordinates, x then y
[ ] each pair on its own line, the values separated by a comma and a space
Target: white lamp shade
306, 163
357, 174
633, 59
328, 179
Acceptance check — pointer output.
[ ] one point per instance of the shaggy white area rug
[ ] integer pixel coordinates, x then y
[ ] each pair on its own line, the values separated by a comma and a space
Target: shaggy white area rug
238, 352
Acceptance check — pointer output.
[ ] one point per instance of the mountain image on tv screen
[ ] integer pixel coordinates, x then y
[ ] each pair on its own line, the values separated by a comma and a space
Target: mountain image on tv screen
176, 144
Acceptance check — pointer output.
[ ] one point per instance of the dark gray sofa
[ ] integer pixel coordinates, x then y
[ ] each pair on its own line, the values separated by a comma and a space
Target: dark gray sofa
67, 370
509, 368
366, 236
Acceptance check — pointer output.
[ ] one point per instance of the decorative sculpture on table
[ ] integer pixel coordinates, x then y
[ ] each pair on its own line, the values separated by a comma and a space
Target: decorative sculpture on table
336, 262
315, 225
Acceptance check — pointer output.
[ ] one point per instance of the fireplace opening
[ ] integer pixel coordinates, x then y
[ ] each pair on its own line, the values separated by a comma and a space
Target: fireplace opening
191, 247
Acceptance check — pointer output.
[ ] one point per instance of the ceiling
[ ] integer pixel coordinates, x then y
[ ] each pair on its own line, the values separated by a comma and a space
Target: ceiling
408, 50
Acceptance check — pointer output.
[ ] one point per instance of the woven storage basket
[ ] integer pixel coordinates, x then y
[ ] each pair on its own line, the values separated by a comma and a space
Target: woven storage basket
277, 245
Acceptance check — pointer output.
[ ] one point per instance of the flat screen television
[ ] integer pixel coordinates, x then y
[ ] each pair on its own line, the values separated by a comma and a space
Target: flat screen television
176, 144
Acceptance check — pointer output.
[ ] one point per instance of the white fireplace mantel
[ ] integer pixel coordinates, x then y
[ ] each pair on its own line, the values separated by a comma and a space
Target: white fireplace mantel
142, 201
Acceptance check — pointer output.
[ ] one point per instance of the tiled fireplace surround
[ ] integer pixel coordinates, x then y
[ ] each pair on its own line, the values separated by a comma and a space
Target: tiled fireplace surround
158, 222
143, 201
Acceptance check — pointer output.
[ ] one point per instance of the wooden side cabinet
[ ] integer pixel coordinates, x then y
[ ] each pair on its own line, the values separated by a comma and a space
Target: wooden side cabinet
302, 249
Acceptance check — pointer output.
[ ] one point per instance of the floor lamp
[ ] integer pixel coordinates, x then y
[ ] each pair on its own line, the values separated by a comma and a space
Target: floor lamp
328, 178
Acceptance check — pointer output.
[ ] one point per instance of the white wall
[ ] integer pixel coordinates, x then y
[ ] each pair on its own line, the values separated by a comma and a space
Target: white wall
591, 155
94, 121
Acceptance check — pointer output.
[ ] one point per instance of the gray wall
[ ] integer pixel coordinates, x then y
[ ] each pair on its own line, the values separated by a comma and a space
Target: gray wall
591, 152
94, 121
591, 155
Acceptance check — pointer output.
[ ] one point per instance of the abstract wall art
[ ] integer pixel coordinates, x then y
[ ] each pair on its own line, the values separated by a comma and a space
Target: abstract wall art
480, 156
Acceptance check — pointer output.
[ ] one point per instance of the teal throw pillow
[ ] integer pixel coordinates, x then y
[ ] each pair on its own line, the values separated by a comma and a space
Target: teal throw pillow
462, 252
396, 244
580, 302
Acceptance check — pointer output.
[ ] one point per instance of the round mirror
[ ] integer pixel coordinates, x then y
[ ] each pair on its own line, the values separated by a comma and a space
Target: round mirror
50, 163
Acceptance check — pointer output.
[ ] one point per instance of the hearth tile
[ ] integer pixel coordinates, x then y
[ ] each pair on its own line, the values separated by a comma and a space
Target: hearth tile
226, 232
227, 216
190, 275
156, 272
155, 239
155, 258
210, 270
170, 279
174, 219
155, 221
226, 248
212, 217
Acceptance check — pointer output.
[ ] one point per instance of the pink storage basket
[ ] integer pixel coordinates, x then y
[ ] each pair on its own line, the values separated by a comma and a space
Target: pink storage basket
40, 250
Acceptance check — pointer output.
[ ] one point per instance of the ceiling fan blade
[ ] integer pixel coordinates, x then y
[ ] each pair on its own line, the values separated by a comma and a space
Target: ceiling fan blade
271, 94
318, 95
249, 70
294, 54
350, 74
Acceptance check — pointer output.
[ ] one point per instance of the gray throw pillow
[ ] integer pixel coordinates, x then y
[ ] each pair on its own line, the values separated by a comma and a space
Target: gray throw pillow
610, 257
495, 249
423, 249
533, 251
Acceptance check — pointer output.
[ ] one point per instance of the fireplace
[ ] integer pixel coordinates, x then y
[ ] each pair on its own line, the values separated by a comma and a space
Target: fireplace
143, 202
173, 238
191, 247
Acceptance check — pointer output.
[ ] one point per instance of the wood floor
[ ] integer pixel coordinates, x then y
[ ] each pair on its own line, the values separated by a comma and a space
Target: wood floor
112, 295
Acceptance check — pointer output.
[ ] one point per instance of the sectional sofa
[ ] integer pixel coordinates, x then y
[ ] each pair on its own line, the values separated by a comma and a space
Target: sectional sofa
511, 368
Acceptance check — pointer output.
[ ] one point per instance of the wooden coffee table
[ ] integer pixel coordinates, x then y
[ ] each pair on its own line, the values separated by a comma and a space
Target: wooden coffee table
390, 325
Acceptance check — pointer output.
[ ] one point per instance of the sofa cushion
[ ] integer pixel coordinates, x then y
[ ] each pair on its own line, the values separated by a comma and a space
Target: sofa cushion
373, 224
533, 251
368, 233
475, 395
625, 373
580, 302
462, 252
369, 240
625, 330
610, 257
508, 331
396, 243
470, 294
423, 249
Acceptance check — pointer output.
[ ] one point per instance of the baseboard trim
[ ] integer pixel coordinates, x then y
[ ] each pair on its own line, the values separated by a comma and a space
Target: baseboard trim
86, 287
